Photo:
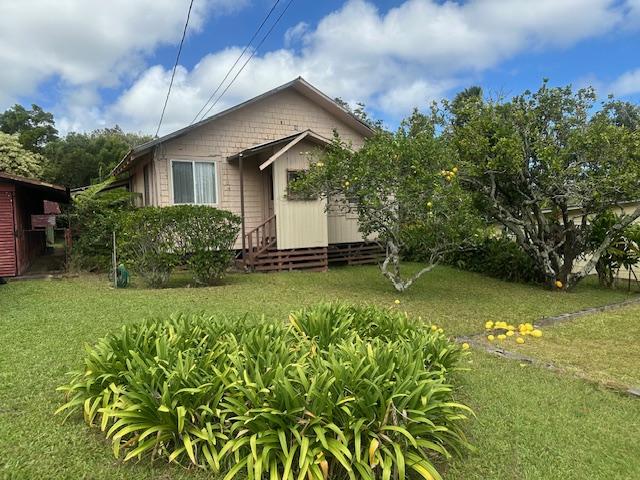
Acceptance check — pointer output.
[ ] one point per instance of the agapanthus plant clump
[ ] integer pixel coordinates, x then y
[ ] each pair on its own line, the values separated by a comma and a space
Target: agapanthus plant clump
336, 392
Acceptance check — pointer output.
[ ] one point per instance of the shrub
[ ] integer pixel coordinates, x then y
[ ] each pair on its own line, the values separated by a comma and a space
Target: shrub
328, 395
498, 257
157, 239
94, 216
208, 237
149, 245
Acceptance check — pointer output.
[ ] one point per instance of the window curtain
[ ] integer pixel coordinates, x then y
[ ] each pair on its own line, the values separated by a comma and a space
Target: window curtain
183, 182
205, 180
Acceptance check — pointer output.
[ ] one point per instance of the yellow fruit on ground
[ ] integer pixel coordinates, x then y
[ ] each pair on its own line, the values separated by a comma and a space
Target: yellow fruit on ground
558, 284
520, 340
529, 327
396, 301
465, 346
510, 333
491, 338
434, 328
537, 333
511, 328
502, 336
488, 325
440, 330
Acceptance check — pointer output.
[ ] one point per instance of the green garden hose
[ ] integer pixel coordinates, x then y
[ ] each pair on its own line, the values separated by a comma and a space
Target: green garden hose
122, 276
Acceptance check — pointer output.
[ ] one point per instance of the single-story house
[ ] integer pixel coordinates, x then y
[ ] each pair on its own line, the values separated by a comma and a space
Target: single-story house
26, 210
242, 159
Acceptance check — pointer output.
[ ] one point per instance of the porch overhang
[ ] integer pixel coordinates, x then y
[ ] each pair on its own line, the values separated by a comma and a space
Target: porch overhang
280, 146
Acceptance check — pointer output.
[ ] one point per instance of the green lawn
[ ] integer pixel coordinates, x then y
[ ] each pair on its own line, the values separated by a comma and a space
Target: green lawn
602, 347
531, 423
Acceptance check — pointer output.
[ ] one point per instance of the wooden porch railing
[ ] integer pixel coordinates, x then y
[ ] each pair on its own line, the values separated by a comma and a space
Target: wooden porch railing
260, 239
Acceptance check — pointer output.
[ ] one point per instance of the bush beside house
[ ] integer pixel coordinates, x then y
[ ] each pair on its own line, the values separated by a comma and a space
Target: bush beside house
155, 240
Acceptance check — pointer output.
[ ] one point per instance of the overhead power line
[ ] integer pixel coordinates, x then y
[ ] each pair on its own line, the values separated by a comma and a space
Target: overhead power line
255, 34
255, 50
175, 66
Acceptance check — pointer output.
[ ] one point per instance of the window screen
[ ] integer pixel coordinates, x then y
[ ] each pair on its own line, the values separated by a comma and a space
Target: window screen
194, 182
183, 182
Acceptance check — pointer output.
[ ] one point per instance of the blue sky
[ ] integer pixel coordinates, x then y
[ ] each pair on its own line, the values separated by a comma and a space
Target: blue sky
97, 63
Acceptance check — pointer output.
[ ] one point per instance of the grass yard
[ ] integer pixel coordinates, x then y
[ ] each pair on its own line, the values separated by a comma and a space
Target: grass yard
531, 423
602, 347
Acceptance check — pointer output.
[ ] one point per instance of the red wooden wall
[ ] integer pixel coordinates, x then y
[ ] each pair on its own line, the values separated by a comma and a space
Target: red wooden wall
7, 232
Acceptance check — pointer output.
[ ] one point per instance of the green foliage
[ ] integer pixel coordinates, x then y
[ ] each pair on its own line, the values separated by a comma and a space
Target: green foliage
94, 216
497, 257
534, 160
360, 112
396, 180
18, 161
81, 159
623, 251
208, 235
263, 398
155, 240
35, 128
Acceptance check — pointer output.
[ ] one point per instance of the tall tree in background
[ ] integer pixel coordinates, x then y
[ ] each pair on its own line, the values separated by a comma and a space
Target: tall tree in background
81, 159
15, 159
35, 128
537, 161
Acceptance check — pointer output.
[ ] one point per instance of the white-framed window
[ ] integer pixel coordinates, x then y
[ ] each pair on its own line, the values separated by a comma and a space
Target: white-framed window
194, 182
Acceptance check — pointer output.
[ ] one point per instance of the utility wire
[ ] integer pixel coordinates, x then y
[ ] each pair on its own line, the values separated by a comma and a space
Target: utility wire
175, 66
255, 50
255, 34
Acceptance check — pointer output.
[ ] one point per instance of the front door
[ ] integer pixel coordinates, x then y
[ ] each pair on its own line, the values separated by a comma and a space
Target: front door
7, 236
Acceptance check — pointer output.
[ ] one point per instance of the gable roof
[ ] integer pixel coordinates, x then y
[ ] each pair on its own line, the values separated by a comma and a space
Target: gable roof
299, 84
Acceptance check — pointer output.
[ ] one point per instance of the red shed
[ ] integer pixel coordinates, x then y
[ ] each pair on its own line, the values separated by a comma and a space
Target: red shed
20, 198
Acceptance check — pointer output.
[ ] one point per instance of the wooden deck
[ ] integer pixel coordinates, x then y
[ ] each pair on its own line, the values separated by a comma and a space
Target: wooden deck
359, 253
261, 253
273, 260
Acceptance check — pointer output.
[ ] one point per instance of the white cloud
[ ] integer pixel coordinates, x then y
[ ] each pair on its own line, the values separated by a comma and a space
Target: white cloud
87, 42
392, 60
626, 84
295, 33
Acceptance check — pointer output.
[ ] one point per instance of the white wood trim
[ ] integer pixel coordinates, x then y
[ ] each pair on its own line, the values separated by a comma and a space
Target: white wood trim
195, 160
